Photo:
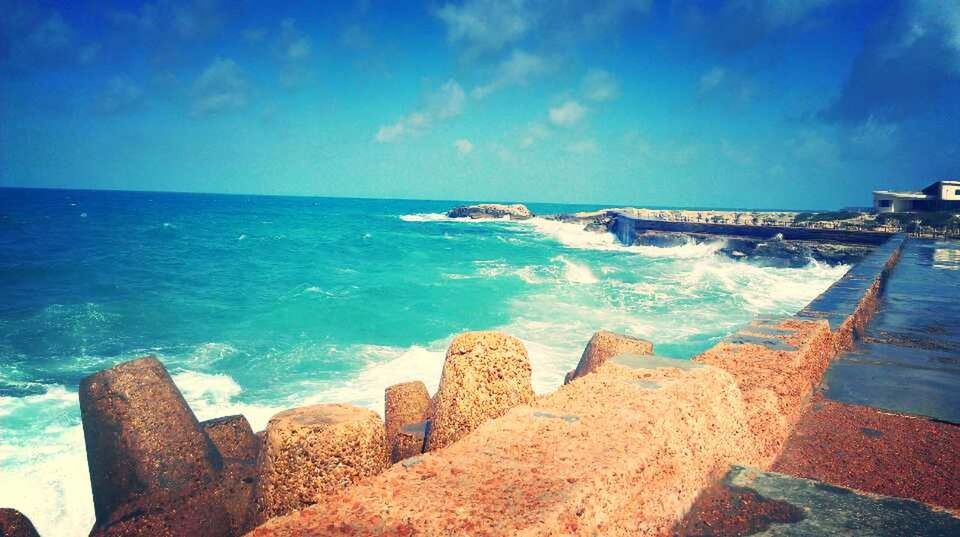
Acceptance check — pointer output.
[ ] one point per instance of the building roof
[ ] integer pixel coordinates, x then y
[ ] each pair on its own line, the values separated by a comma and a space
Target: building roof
902, 195
934, 188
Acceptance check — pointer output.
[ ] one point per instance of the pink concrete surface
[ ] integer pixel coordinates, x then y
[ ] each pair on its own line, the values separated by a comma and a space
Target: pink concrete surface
776, 383
620, 452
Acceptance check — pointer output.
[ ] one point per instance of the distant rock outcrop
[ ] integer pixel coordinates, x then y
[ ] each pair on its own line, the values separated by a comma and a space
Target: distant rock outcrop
603, 346
485, 375
491, 210
13, 523
316, 450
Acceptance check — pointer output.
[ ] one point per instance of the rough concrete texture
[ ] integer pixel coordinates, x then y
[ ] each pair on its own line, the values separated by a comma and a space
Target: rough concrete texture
603, 346
404, 404
233, 437
846, 335
621, 452
144, 445
484, 375
776, 375
782, 505
874, 451
316, 450
13, 523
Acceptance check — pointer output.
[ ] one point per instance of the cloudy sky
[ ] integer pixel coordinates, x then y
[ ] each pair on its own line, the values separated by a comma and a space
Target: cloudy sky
739, 103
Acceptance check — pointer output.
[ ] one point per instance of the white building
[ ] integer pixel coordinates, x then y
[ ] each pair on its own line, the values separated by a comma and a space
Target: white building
940, 196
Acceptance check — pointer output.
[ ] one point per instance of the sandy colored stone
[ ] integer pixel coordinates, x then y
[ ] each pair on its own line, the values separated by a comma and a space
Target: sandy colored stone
776, 382
603, 346
622, 452
144, 444
484, 375
233, 437
316, 450
404, 404
13, 523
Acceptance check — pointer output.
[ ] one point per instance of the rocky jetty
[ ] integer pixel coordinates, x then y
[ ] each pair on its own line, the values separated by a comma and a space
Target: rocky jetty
316, 450
603, 346
13, 523
484, 375
491, 210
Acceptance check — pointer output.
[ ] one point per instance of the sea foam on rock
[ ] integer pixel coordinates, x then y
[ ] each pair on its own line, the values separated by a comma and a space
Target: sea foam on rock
316, 450
603, 346
485, 374
491, 210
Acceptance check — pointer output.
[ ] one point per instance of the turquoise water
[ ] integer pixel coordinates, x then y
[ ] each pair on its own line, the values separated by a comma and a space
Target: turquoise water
262, 303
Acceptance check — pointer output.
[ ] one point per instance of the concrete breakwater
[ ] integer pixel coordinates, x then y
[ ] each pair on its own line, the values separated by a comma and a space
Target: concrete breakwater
626, 447
627, 227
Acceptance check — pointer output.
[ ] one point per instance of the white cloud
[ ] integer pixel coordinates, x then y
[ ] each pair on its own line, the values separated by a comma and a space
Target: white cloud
516, 70
88, 54
187, 20
220, 87
446, 102
567, 114
600, 85
711, 79
487, 25
742, 156
53, 33
583, 147
534, 134
293, 44
121, 94
254, 35
463, 146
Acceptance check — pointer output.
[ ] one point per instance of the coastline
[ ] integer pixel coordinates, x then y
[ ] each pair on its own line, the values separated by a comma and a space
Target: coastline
559, 379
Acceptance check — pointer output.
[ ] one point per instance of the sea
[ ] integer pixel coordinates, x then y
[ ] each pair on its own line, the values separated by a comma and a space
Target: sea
257, 304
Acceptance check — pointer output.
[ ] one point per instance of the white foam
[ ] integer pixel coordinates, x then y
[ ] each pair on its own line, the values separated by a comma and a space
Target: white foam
576, 272
47, 479
425, 217
573, 235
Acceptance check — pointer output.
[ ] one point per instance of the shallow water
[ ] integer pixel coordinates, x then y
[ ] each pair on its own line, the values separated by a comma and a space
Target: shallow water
262, 303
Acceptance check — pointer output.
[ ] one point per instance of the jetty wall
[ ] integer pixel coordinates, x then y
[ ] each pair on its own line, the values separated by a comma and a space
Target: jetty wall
627, 227
625, 449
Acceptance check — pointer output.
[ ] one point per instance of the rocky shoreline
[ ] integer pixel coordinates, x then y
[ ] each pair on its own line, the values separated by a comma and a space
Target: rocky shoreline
772, 250
624, 447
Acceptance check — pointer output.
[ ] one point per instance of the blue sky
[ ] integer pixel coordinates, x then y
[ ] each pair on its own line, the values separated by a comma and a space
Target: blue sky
742, 103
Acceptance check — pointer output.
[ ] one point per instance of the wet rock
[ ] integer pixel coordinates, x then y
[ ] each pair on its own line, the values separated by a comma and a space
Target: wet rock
404, 404
316, 450
233, 437
147, 453
603, 346
484, 375
662, 239
491, 210
13, 523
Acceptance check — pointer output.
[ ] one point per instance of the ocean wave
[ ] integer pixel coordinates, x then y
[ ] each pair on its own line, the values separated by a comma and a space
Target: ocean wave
575, 272
573, 235
425, 217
